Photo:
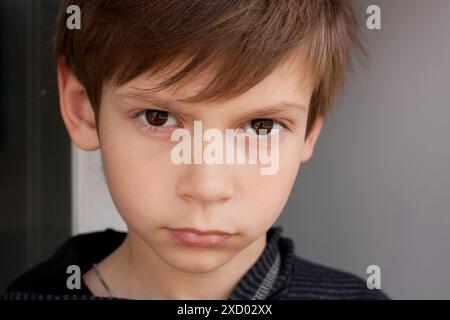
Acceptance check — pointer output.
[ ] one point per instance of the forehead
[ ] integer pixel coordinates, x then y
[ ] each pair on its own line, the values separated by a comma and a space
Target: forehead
289, 80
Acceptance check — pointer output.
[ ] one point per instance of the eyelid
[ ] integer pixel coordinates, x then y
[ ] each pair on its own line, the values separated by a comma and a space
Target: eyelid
282, 130
148, 128
169, 115
278, 121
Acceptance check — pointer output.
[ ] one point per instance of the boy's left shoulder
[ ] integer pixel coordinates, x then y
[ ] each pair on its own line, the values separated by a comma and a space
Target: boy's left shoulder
315, 281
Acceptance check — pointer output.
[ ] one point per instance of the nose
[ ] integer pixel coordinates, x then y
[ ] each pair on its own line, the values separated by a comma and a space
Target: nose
205, 184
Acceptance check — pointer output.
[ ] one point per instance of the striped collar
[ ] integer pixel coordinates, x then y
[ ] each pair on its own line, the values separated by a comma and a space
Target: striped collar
270, 274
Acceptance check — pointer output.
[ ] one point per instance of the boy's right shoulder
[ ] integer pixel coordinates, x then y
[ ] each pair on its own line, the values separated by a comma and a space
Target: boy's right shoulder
50, 276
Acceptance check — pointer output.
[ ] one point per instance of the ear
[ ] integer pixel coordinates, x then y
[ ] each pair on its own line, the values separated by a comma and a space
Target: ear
76, 109
311, 140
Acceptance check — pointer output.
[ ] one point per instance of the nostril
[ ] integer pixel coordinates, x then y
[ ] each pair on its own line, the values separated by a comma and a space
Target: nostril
205, 184
205, 193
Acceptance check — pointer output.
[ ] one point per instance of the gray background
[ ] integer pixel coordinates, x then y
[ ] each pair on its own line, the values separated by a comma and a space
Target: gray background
377, 190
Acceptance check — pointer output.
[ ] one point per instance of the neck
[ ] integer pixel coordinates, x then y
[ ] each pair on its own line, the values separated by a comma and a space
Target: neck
136, 271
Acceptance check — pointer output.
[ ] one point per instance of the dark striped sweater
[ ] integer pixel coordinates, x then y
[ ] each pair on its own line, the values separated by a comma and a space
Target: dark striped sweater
278, 274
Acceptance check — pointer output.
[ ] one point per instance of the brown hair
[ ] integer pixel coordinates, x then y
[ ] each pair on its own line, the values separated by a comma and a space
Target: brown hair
245, 39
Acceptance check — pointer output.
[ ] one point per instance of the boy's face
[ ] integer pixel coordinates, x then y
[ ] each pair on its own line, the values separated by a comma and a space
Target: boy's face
152, 193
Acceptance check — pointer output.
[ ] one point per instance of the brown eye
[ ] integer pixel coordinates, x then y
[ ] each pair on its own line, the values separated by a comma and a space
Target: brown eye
259, 124
156, 118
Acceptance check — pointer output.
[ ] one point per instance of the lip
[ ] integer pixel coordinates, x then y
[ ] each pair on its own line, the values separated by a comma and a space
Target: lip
196, 238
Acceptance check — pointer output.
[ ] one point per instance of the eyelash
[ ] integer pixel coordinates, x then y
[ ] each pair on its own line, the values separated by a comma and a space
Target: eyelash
149, 129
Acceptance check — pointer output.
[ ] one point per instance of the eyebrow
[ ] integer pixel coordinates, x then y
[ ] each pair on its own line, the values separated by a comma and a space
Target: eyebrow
279, 108
174, 105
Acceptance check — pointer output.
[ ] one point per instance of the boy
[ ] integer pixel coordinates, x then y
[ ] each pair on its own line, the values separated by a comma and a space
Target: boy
138, 71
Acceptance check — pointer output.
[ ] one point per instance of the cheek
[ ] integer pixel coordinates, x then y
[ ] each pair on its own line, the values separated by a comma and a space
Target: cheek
139, 175
265, 195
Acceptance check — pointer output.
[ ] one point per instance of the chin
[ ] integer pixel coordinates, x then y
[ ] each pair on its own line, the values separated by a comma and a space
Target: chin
197, 262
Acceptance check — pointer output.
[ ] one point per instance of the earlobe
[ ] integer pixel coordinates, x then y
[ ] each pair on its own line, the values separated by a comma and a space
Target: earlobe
76, 109
308, 147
